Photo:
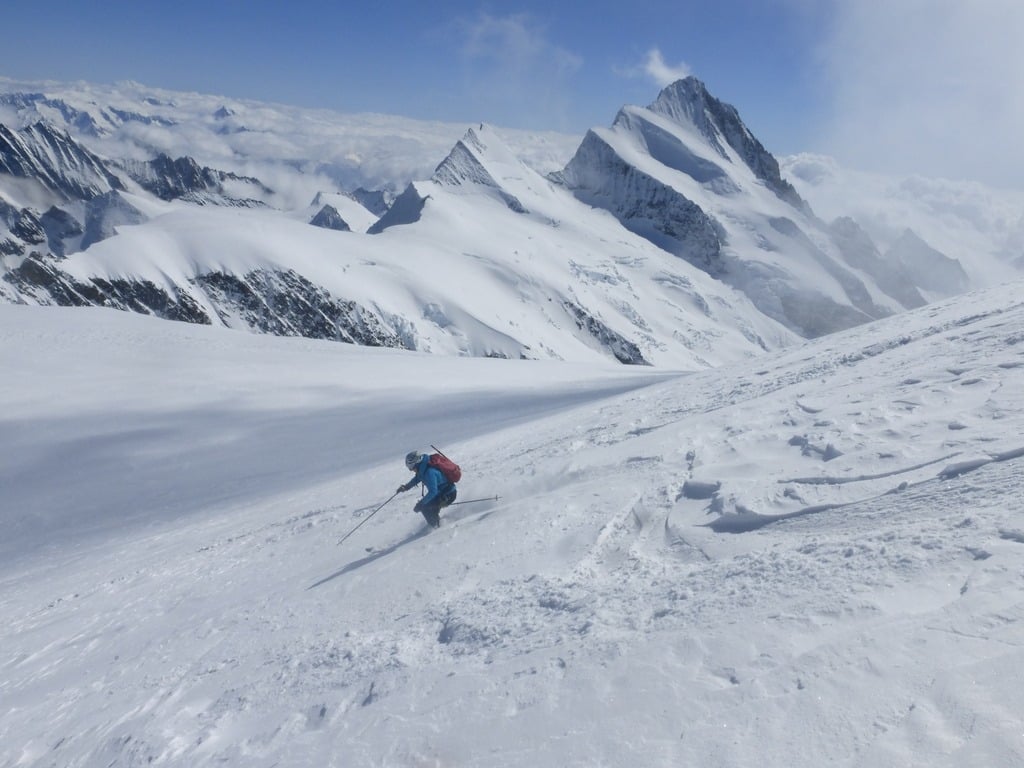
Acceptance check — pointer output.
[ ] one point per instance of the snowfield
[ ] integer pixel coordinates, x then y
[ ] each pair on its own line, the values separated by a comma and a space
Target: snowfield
814, 557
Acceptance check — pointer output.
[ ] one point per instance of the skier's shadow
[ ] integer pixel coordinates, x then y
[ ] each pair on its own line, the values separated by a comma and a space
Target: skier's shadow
357, 564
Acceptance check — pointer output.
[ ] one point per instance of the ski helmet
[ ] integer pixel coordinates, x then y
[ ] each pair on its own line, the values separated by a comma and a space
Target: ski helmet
412, 458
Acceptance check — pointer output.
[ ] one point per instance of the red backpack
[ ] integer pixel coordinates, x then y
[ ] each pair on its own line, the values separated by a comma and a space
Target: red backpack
446, 467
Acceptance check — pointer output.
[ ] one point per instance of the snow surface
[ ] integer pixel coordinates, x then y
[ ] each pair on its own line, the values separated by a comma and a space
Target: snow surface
811, 558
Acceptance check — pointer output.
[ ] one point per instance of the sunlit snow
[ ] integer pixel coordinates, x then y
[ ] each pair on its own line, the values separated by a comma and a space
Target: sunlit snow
813, 558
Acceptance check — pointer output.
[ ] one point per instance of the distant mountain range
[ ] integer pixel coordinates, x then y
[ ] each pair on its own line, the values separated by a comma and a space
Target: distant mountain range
671, 238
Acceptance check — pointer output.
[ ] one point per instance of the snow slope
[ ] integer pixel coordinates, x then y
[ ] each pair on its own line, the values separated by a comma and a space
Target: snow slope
847, 592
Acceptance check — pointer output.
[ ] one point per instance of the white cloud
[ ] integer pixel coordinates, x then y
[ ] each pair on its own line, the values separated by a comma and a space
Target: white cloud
662, 73
928, 86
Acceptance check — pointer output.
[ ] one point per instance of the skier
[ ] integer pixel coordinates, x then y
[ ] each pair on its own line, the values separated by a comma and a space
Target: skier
440, 493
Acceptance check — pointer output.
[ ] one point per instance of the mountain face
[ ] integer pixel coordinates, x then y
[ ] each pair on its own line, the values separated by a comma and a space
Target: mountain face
687, 101
44, 165
104, 213
687, 174
184, 178
939, 273
49, 157
669, 238
463, 167
861, 253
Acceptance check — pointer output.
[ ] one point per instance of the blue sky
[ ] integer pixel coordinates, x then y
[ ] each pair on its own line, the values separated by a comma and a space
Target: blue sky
927, 86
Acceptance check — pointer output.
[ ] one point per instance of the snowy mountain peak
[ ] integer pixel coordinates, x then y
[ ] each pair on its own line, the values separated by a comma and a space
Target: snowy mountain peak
687, 174
688, 102
481, 159
464, 165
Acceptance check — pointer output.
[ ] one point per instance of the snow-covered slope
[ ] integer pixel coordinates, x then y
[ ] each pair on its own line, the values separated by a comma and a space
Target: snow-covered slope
812, 559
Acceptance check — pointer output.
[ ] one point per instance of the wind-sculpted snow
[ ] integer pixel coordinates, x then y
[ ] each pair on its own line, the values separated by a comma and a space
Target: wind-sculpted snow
666, 578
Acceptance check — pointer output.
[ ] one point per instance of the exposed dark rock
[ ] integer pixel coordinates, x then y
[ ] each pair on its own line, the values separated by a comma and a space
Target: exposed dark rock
104, 213
329, 218
145, 297
59, 225
50, 156
688, 100
287, 304
38, 276
621, 348
462, 166
11, 247
173, 179
124, 116
406, 209
29, 228
375, 201
646, 206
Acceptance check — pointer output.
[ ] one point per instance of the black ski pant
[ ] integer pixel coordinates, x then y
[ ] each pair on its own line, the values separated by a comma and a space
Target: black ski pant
432, 512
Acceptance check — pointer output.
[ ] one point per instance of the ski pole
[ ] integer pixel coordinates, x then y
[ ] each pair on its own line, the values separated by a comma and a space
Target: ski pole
438, 450
378, 509
473, 501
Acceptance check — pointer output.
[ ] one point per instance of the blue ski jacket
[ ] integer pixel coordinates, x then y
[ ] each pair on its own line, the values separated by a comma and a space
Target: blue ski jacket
436, 483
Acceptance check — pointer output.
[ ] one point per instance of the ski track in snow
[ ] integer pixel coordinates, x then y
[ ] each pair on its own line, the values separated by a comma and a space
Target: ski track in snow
860, 610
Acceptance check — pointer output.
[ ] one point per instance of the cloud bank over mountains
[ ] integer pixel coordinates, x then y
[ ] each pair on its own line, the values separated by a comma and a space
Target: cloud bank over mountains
926, 86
